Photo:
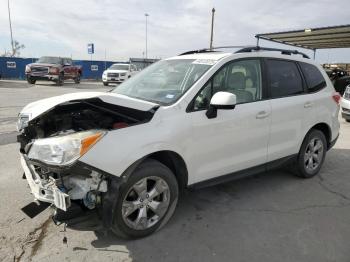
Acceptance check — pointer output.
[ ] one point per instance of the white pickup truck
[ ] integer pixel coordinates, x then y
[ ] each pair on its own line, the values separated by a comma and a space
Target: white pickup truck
118, 73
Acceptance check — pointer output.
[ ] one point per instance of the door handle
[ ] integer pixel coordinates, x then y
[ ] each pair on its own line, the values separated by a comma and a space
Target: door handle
308, 104
262, 114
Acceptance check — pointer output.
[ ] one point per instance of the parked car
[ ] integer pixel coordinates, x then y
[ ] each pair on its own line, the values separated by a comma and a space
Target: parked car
56, 69
118, 73
188, 121
345, 104
340, 79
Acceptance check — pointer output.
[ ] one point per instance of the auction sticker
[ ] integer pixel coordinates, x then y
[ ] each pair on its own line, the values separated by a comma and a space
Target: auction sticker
205, 61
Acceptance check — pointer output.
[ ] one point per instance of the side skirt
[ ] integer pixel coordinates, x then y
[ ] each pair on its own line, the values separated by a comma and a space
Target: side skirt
245, 173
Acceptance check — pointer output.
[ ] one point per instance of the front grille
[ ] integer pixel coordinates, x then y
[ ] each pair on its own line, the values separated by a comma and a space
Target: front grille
347, 95
113, 74
40, 70
345, 110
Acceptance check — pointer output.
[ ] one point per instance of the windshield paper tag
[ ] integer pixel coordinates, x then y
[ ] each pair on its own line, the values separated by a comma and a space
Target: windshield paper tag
204, 61
170, 96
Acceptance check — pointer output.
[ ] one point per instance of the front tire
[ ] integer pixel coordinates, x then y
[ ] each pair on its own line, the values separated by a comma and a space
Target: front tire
60, 80
105, 83
311, 155
77, 79
146, 201
31, 81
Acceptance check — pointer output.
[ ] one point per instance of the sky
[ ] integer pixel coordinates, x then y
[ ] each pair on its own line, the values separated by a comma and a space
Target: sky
117, 28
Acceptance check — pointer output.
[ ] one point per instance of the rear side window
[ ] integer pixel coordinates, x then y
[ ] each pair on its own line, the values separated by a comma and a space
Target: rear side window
284, 78
314, 79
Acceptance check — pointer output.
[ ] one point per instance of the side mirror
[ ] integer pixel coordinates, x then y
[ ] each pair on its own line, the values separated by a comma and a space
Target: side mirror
221, 100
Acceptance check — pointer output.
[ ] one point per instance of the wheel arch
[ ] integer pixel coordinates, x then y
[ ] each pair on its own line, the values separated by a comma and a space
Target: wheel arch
170, 159
175, 163
326, 130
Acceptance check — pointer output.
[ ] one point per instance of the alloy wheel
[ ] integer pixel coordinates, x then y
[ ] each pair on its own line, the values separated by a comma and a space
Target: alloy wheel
313, 155
146, 203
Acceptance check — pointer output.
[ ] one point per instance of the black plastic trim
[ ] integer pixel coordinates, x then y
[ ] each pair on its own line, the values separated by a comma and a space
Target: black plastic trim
332, 143
245, 173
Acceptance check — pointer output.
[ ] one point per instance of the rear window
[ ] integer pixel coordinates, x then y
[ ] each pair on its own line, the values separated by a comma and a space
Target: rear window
314, 79
284, 78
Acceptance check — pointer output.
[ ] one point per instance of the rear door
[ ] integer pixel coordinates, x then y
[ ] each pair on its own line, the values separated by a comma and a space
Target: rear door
289, 106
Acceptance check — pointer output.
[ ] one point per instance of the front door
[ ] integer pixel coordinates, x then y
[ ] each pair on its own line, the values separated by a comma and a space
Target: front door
236, 139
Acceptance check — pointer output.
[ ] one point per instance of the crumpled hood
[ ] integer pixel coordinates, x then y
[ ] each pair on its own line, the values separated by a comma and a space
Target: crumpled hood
37, 108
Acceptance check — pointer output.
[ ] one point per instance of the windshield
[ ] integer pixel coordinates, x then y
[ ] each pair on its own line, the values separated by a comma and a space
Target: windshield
50, 60
120, 67
165, 81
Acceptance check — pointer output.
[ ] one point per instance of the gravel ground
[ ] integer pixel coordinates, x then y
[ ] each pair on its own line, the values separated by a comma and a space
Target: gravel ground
269, 217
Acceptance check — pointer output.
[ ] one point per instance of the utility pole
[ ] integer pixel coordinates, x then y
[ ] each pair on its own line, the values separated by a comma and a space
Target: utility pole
105, 58
212, 28
146, 15
8, 8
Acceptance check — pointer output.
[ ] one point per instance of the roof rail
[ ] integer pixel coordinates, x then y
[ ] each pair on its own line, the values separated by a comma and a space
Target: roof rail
204, 50
283, 51
208, 50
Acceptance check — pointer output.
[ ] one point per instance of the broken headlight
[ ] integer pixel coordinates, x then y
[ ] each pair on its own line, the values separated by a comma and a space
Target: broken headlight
63, 150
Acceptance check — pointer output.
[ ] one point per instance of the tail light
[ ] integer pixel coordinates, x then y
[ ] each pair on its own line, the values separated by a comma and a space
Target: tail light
336, 97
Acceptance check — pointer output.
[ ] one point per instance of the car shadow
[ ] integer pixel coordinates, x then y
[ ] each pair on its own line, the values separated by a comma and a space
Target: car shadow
42, 83
226, 221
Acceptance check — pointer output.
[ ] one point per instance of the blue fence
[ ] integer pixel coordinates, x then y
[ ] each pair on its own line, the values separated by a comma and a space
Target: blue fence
14, 67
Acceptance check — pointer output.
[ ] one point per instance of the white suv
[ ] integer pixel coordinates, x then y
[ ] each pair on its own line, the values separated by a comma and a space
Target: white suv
118, 73
188, 121
345, 104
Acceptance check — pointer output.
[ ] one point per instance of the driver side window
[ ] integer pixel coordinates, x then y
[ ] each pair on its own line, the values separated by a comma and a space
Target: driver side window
242, 78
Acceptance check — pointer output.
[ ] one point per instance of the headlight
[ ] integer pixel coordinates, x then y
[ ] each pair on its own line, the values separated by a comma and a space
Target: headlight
64, 150
28, 69
54, 70
122, 74
104, 73
22, 122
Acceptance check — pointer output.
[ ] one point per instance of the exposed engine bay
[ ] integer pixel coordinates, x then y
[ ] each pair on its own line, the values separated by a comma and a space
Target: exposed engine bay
76, 181
80, 115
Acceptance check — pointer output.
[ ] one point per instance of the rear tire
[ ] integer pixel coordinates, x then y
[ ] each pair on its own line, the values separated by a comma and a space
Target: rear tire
311, 155
146, 201
347, 120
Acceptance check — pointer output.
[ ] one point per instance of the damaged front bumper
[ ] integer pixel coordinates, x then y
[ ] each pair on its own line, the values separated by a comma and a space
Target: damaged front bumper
78, 187
44, 190
60, 186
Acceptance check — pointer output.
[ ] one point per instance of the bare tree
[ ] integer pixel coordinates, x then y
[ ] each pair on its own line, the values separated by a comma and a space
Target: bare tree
17, 47
16, 52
